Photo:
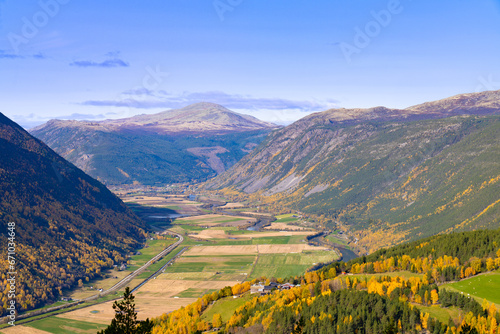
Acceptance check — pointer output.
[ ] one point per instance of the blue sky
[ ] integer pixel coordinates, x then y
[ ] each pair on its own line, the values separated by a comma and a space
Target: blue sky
277, 60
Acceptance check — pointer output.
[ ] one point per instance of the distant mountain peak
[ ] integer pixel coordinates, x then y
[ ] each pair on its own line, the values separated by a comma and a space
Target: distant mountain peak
197, 118
483, 103
469, 103
205, 105
198, 141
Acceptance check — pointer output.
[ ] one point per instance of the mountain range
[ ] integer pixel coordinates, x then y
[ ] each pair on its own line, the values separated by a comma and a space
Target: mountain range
388, 175
183, 145
68, 226
385, 175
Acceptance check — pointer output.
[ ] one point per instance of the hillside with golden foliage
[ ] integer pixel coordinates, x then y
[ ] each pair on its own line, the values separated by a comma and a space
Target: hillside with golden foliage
68, 226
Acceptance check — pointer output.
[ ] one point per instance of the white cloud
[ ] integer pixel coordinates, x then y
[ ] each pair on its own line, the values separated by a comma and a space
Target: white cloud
146, 99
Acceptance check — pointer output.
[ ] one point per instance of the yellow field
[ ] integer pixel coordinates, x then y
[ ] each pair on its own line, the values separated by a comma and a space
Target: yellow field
20, 329
232, 206
284, 226
259, 213
153, 299
187, 276
273, 234
221, 234
156, 306
149, 200
297, 248
249, 249
213, 218
213, 233
195, 259
146, 307
157, 200
207, 218
222, 250
169, 288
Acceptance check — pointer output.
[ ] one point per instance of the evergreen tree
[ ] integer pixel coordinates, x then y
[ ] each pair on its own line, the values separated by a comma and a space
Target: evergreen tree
466, 329
125, 321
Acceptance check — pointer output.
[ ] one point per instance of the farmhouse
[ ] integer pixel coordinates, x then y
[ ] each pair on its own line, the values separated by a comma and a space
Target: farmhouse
266, 289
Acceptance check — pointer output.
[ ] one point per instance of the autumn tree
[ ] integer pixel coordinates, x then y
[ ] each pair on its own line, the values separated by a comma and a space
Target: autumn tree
217, 320
434, 296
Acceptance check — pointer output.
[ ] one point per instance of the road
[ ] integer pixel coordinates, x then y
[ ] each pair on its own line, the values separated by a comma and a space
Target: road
123, 282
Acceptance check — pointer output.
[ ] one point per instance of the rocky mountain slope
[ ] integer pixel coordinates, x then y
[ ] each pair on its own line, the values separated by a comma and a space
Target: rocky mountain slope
388, 175
68, 226
183, 145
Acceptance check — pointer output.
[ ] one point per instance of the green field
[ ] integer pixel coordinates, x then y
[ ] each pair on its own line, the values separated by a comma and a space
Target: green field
172, 207
442, 314
288, 218
58, 325
226, 264
194, 293
225, 307
152, 248
209, 219
285, 265
337, 240
480, 287
192, 228
157, 265
271, 265
290, 239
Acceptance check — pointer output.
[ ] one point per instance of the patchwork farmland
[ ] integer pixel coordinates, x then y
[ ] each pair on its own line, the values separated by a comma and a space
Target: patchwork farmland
221, 252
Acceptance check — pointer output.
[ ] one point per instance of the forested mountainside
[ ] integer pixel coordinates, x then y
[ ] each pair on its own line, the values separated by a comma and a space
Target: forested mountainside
68, 226
184, 145
395, 290
387, 175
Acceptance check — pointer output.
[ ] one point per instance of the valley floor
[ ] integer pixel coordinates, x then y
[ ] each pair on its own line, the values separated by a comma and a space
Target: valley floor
221, 250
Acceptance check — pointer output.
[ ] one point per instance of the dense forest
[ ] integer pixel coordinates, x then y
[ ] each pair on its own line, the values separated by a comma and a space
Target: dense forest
68, 226
444, 257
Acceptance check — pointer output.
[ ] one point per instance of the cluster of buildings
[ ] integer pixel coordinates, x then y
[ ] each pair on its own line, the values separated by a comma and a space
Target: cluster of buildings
263, 289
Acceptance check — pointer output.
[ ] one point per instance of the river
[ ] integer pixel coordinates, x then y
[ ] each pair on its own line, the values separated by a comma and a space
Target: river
347, 254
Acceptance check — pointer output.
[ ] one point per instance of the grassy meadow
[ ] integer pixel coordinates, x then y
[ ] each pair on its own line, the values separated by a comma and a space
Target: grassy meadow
481, 287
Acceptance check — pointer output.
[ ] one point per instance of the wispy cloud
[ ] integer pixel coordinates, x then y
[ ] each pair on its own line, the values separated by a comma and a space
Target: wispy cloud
8, 55
113, 60
105, 63
146, 99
